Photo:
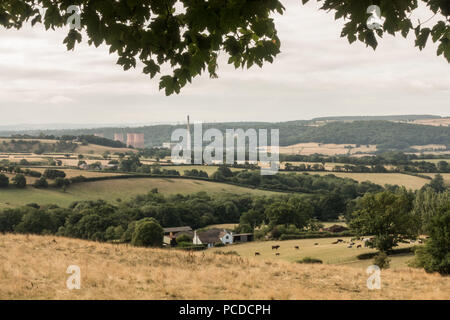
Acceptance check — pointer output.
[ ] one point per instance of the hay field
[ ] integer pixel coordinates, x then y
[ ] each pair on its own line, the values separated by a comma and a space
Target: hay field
409, 182
336, 254
99, 150
433, 122
326, 149
34, 267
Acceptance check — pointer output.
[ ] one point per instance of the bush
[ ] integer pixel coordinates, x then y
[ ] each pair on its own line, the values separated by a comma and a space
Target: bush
184, 238
382, 260
41, 183
20, 181
4, 181
78, 179
35, 221
61, 182
309, 260
148, 233
53, 174
434, 256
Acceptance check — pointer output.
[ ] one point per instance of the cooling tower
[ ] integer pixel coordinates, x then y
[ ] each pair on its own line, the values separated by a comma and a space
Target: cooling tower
138, 140
118, 137
135, 140
130, 139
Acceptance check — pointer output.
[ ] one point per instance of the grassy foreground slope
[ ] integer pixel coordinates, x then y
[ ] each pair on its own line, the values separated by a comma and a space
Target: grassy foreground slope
34, 267
111, 190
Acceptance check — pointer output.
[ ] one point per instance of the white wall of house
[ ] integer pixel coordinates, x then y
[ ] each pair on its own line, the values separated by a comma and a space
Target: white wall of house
227, 238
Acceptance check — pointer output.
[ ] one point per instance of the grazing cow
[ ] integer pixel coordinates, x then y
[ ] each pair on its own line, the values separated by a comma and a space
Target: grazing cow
297, 247
340, 240
275, 247
316, 244
277, 254
257, 254
352, 243
358, 246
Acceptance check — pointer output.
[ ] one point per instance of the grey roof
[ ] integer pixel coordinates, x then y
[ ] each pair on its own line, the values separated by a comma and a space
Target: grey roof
211, 235
177, 229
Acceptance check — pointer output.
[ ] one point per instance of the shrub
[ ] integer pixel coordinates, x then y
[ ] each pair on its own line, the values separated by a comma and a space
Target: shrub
41, 183
184, 238
148, 233
78, 179
4, 181
382, 260
309, 260
53, 174
61, 182
434, 256
20, 181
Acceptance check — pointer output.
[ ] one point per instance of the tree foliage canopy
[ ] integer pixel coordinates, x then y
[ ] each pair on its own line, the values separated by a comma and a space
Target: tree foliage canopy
188, 35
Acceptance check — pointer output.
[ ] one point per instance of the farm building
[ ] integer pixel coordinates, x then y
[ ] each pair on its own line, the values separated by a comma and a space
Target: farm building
212, 236
242, 237
171, 234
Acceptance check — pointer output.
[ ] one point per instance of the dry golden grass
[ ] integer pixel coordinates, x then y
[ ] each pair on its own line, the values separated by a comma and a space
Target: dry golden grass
34, 267
408, 181
445, 122
326, 149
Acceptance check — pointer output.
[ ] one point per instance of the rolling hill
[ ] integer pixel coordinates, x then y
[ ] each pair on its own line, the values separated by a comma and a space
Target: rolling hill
382, 133
34, 267
111, 190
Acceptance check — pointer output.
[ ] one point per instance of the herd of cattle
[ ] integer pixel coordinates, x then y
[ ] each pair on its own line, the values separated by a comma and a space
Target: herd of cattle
351, 243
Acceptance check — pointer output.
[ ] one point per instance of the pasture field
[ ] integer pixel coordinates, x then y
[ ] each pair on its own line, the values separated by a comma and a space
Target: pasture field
228, 226
327, 149
34, 267
99, 150
112, 190
70, 173
336, 254
328, 165
408, 181
435, 161
208, 169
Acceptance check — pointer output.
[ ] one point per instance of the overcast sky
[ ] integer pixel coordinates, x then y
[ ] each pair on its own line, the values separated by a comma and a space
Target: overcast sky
317, 74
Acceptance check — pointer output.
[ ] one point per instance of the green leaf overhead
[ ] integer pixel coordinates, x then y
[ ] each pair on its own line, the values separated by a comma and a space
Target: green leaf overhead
187, 36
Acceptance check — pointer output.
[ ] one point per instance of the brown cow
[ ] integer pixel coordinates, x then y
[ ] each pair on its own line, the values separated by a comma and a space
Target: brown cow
275, 247
257, 254
297, 247
277, 254
358, 246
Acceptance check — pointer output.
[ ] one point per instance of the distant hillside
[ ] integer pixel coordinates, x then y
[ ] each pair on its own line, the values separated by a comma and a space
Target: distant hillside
410, 117
384, 134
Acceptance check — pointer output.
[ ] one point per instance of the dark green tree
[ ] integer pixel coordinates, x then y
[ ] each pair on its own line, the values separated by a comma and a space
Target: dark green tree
20, 181
4, 181
387, 216
148, 233
438, 183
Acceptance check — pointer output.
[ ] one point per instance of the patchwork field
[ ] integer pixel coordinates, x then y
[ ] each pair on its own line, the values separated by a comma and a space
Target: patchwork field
112, 190
34, 267
336, 254
327, 149
410, 182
